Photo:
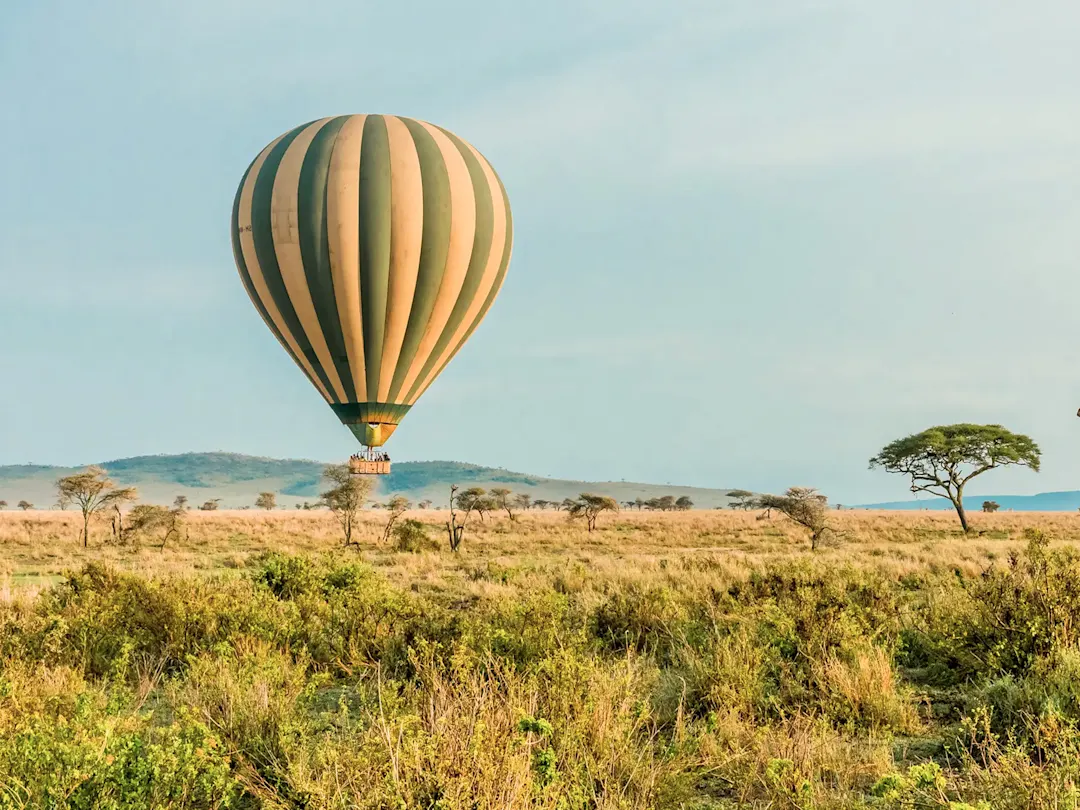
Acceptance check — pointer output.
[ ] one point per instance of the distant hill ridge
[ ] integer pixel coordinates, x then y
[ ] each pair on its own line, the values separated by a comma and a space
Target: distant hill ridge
1042, 502
237, 479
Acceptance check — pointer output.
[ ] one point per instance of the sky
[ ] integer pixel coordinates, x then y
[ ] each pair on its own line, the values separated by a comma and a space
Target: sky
754, 242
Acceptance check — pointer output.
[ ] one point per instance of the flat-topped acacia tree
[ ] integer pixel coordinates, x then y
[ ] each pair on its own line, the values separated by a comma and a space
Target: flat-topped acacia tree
942, 460
92, 491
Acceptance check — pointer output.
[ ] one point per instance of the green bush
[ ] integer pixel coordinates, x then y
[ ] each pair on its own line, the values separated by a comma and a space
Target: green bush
412, 535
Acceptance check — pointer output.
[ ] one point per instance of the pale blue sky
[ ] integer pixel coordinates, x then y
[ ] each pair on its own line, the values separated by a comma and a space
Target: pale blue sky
754, 241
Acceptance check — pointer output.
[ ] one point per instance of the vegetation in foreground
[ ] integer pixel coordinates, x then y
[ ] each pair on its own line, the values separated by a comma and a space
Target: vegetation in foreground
695, 660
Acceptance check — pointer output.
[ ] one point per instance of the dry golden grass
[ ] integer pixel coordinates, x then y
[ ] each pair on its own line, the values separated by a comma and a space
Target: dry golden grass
37, 547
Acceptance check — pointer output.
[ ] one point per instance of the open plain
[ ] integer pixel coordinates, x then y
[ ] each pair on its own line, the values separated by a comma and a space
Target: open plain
701, 660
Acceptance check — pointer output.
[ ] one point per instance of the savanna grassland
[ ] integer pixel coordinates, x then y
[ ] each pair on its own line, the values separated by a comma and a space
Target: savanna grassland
682, 660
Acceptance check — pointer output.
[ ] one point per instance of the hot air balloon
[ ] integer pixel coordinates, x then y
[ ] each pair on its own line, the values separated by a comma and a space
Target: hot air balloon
372, 246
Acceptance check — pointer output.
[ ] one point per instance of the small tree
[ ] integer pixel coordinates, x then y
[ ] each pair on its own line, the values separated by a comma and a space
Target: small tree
3, 504
502, 498
180, 502
266, 500
684, 503
211, 505
589, 507
425, 504
471, 499
24, 505
990, 506
567, 504
942, 460
741, 499
92, 491
347, 496
662, 504
147, 519
523, 501
396, 506
541, 504
485, 506
468, 501
805, 506
639, 503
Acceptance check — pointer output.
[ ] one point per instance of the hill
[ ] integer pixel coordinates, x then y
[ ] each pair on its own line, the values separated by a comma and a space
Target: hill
1042, 502
237, 479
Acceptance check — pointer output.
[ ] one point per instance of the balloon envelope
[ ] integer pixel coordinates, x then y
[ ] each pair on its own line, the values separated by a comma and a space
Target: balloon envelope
372, 246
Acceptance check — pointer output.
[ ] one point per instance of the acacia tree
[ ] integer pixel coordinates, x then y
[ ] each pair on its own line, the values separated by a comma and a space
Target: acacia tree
990, 506
146, 519
211, 505
266, 500
502, 498
397, 506
24, 505
804, 505
92, 491
663, 504
741, 499
180, 502
3, 504
589, 507
347, 496
523, 501
942, 460
684, 503
471, 499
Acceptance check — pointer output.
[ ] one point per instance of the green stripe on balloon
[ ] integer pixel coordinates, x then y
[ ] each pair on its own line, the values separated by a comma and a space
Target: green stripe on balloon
375, 185
500, 276
245, 274
434, 247
315, 245
485, 231
263, 235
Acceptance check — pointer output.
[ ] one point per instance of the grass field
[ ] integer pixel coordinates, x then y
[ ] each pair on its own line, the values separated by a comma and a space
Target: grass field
691, 660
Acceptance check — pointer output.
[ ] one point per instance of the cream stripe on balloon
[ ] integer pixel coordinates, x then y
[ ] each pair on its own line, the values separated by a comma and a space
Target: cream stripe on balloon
342, 214
251, 260
462, 235
406, 238
286, 233
487, 282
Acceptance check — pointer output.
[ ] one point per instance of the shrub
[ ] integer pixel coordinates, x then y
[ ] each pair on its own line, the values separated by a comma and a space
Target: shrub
412, 535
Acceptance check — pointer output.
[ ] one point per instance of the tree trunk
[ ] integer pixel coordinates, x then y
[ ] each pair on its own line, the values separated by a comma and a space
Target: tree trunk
958, 502
86, 530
